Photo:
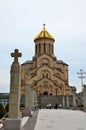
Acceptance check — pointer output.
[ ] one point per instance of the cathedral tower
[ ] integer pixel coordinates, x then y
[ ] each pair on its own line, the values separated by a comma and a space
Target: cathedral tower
44, 43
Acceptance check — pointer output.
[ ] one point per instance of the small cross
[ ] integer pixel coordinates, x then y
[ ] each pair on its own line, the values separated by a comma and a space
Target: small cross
16, 54
44, 25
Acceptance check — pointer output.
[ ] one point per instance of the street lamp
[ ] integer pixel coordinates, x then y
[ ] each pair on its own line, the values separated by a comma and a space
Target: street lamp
81, 76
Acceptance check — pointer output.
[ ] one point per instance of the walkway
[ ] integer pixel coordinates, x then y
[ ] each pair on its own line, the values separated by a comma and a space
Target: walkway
60, 120
28, 121
31, 122
51, 119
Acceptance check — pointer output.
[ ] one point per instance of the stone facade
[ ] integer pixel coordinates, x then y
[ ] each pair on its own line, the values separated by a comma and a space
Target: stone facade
48, 76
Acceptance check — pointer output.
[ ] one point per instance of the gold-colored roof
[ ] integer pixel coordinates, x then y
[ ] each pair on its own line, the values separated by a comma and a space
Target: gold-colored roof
44, 34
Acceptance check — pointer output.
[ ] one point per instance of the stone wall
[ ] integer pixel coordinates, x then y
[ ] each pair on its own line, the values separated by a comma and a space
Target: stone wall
44, 100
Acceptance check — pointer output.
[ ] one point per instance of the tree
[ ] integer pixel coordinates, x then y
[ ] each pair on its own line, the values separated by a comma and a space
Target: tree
7, 107
2, 110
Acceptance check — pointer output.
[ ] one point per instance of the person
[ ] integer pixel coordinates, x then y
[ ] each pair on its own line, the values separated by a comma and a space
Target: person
60, 105
56, 106
50, 105
47, 106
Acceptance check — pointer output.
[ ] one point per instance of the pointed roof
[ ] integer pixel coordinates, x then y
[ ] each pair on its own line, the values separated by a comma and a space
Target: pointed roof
44, 34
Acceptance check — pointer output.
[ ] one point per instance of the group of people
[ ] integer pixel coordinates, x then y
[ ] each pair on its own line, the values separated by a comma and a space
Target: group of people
49, 106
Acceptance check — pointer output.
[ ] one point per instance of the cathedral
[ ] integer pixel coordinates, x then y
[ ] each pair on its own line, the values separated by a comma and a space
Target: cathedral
47, 75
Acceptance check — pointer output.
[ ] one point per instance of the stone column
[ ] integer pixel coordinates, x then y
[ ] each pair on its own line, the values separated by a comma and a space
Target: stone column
74, 100
63, 101
29, 96
35, 99
67, 101
14, 101
84, 97
14, 122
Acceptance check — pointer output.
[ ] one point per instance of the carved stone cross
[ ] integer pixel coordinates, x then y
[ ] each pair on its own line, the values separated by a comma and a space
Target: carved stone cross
16, 55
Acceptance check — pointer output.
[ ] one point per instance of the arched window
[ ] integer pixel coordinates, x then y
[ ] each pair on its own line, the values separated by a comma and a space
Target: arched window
45, 61
45, 93
39, 48
45, 73
49, 48
36, 49
44, 48
52, 49
42, 75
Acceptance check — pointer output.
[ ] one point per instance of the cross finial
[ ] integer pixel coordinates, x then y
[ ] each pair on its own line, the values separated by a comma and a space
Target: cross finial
16, 54
44, 25
82, 76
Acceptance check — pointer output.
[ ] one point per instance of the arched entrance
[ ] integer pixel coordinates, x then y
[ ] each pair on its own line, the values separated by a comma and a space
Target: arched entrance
45, 93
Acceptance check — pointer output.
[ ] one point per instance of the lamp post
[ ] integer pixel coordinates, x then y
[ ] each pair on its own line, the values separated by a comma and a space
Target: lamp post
81, 76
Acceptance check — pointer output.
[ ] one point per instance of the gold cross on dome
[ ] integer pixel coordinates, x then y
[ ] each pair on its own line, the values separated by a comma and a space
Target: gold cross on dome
16, 55
44, 25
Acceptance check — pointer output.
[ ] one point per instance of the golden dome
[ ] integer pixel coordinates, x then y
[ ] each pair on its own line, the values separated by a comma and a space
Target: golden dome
44, 34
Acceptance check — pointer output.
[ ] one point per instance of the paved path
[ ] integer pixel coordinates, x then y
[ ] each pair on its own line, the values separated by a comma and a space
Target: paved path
51, 119
31, 122
1, 128
60, 120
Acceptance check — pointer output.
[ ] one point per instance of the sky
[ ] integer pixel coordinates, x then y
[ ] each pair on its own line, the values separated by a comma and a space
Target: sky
22, 20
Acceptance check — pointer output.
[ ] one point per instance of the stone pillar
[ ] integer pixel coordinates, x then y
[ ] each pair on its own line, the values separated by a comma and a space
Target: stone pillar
84, 97
13, 122
63, 101
67, 101
29, 96
74, 100
14, 101
36, 100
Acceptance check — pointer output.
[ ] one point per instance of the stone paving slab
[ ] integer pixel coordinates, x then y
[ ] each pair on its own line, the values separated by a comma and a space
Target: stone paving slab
31, 122
1, 128
51, 119
60, 120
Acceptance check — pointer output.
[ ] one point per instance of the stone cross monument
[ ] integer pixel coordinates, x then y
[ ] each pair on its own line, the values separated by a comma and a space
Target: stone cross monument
14, 102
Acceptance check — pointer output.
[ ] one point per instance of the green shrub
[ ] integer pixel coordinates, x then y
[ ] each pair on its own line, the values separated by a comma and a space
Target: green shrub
2, 111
